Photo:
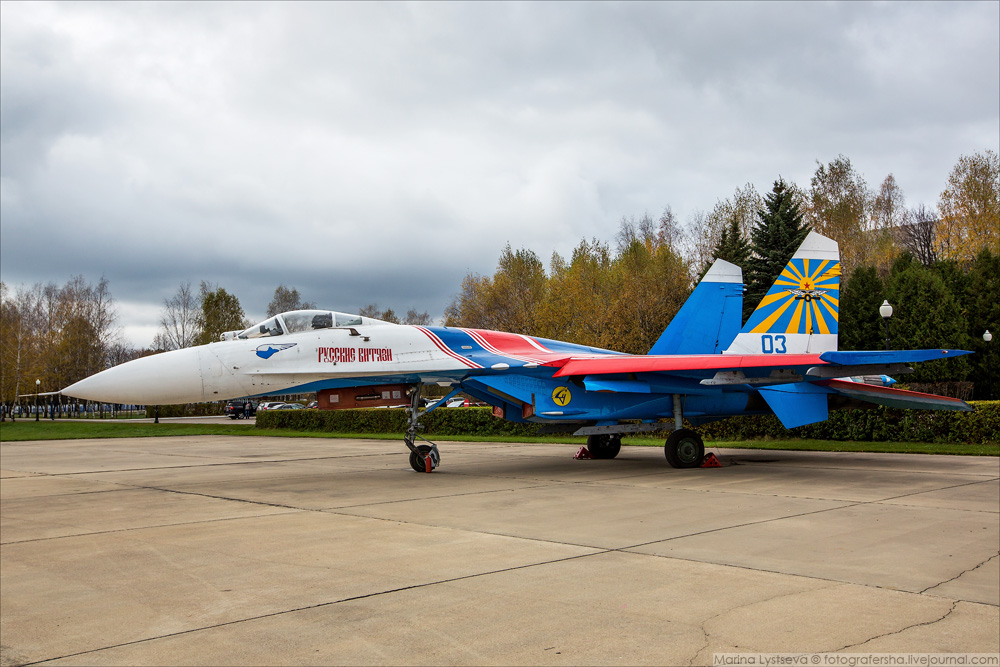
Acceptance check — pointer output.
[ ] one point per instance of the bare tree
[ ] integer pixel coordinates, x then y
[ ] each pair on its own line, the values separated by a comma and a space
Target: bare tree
372, 311
179, 320
286, 299
917, 234
669, 232
413, 317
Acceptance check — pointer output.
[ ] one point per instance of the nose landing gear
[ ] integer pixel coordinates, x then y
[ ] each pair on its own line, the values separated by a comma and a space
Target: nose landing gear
423, 458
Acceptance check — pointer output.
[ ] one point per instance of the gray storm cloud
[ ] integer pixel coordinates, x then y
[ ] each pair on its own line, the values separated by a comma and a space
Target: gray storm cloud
378, 152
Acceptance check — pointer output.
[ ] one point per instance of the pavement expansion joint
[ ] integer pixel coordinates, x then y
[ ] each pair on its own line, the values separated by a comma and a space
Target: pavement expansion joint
257, 462
146, 527
940, 488
318, 605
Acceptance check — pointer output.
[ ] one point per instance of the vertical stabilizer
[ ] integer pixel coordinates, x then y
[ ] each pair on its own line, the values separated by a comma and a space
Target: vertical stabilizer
800, 313
710, 318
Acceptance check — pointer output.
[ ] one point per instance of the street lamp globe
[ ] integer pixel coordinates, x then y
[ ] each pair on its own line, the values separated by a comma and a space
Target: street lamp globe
885, 310
987, 336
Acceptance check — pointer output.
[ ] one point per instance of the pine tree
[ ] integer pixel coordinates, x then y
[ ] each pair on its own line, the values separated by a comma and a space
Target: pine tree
926, 315
861, 326
732, 247
773, 240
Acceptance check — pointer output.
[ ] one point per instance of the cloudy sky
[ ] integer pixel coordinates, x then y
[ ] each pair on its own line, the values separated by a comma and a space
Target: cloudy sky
366, 152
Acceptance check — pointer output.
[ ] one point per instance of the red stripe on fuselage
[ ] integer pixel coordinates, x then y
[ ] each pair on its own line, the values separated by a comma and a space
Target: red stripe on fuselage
510, 345
444, 348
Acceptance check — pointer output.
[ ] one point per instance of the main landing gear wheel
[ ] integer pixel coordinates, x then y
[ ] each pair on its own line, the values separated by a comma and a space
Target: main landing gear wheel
604, 446
427, 453
684, 449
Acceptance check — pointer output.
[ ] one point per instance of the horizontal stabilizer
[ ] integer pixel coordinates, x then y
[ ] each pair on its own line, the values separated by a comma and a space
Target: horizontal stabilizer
847, 358
797, 404
895, 398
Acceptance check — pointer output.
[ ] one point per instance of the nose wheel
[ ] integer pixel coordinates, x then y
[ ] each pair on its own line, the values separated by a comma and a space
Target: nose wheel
424, 458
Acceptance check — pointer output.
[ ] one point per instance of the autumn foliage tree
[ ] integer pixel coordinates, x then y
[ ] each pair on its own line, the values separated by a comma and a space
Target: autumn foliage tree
220, 312
622, 302
839, 206
970, 208
56, 334
510, 300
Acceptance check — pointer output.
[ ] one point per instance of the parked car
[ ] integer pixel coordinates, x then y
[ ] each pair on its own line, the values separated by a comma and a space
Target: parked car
452, 403
238, 409
312, 404
289, 406
269, 405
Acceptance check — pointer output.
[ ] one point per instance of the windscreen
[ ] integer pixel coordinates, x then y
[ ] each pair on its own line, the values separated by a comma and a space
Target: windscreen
271, 327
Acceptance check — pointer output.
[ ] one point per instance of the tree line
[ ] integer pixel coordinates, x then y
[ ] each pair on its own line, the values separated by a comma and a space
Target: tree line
939, 267
56, 335
61, 334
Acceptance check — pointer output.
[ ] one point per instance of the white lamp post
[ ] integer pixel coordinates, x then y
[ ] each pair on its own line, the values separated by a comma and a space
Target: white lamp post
885, 310
989, 372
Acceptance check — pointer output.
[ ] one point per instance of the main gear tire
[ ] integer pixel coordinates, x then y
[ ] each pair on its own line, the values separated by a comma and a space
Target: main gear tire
684, 449
604, 446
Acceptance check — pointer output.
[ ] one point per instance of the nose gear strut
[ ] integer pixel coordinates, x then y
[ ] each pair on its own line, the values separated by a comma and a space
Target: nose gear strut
423, 458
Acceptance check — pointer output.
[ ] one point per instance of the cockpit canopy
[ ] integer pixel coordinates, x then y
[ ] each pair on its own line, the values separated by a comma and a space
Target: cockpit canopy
297, 321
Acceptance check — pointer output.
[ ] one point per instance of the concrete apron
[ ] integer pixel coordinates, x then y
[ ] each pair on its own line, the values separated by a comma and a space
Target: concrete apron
272, 551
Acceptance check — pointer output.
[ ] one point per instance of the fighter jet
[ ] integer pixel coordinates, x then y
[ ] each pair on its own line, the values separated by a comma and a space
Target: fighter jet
704, 367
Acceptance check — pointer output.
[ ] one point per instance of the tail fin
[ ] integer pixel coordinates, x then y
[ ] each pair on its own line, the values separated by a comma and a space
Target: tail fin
710, 318
799, 314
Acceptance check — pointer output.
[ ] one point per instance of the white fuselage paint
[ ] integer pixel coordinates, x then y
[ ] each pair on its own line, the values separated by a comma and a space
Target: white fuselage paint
234, 369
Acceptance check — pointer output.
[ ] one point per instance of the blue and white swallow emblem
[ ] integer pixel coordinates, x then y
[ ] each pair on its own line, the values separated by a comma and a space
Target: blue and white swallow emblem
270, 349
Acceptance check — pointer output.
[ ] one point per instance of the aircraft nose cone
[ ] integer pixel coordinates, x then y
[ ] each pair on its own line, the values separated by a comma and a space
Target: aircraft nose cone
160, 379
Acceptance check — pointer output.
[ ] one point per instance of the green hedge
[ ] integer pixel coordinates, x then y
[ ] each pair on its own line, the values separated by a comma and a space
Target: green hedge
877, 424
186, 410
445, 421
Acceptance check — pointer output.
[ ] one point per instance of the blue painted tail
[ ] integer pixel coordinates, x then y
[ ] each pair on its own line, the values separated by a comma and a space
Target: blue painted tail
800, 313
709, 320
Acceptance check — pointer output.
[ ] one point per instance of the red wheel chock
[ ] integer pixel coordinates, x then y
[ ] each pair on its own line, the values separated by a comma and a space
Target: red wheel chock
583, 453
428, 466
710, 461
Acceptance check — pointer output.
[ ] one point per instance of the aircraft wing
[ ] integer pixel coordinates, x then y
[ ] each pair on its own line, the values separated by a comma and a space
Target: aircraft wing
831, 364
679, 364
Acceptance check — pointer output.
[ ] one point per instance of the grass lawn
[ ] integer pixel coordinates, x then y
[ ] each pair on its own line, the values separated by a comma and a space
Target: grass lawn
23, 430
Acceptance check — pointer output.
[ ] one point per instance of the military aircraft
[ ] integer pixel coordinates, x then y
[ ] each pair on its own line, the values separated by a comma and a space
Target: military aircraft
704, 366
